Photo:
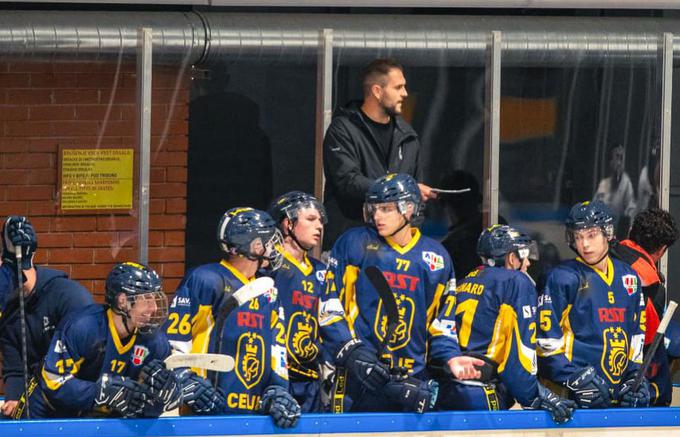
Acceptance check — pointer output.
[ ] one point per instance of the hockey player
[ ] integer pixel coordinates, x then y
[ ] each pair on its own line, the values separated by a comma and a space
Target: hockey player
652, 233
253, 334
49, 296
316, 321
418, 270
104, 360
493, 309
591, 317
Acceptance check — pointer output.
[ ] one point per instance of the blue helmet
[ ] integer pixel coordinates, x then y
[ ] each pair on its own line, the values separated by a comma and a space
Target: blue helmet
497, 241
586, 215
251, 233
138, 282
394, 187
288, 205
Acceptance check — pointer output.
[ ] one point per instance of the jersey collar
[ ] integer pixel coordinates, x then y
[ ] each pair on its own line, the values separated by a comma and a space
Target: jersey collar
305, 267
120, 347
609, 277
234, 271
415, 233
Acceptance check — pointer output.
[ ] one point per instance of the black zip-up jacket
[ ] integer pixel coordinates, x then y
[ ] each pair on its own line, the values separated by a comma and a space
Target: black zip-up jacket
53, 297
353, 160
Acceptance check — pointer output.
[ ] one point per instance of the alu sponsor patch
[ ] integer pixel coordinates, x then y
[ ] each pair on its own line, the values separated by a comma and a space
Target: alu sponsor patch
434, 262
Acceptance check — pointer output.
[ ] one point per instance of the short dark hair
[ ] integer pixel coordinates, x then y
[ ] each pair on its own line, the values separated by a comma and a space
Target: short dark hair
654, 228
376, 71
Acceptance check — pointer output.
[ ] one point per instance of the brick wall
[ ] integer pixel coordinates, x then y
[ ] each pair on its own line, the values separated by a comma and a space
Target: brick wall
45, 105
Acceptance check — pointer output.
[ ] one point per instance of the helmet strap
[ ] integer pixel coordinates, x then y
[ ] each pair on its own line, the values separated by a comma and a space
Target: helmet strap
291, 233
406, 222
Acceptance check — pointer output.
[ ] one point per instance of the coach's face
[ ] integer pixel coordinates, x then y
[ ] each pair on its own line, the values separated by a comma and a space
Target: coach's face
392, 95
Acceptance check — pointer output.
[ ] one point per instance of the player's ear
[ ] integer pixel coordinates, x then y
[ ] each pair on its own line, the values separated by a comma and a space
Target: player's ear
122, 301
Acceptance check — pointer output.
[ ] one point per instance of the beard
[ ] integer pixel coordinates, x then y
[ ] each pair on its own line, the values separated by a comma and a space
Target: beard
391, 110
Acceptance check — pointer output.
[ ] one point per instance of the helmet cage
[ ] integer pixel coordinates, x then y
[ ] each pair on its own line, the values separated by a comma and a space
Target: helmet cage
148, 311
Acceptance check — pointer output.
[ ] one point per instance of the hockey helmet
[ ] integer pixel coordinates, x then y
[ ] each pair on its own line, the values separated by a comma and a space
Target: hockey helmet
497, 241
251, 233
400, 188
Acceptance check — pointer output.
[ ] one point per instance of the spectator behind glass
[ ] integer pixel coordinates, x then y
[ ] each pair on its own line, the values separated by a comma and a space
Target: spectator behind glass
616, 191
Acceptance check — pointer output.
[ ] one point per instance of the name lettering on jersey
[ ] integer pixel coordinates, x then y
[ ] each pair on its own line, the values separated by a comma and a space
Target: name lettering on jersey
614, 353
320, 275
630, 283
139, 353
401, 281
304, 300
249, 320
180, 301
471, 288
302, 333
612, 315
243, 401
433, 261
250, 359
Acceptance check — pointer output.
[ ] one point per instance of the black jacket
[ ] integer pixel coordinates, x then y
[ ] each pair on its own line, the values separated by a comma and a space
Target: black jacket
53, 297
353, 160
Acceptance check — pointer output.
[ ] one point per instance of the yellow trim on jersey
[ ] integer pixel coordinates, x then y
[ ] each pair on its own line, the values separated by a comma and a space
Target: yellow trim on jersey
609, 277
234, 271
433, 310
415, 237
53, 381
349, 293
501, 340
305, 267
567, 333
114, 335
202, 325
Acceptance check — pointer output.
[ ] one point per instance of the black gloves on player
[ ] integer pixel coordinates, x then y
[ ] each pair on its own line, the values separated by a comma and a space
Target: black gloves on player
163, 385
559, 408
121, 394
199, 394
589, 389
363, 365
18, 231
280, 405
412, 393
634, 399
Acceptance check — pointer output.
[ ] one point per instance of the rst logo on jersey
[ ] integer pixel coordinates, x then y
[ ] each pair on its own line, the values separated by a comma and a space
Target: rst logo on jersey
434, 262
138, 355
630, 283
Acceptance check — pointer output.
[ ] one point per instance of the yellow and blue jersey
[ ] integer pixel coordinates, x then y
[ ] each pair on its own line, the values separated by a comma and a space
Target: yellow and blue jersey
587, 317
494, 310
255, 335
418, 274
85, 346
315, 320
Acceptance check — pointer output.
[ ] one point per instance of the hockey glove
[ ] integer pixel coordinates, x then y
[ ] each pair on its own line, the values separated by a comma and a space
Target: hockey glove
413, 394
363, 365
18, 231
163, 385
121, 394
634, 399
200, 395
589, 389
559, 408
280, 405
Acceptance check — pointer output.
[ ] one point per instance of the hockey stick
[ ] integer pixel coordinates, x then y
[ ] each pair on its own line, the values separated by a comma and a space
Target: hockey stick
22, 315
249, 291
389, 303
658, 337
215, 362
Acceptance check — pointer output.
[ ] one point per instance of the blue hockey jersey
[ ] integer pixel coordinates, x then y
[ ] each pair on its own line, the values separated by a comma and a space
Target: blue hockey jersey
587, 317
255, 335
494, 310
315, 319
85, 346
418, 275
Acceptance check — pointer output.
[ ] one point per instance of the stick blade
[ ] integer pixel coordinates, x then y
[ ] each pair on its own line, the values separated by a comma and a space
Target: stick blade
253, 289
215, 362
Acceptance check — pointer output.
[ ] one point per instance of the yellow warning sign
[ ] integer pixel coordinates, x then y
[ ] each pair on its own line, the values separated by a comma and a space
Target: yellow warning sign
96, 179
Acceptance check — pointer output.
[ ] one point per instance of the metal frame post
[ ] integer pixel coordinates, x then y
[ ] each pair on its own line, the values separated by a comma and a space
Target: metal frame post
492, 119
324, 109
144, 70
665, 155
